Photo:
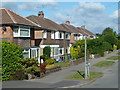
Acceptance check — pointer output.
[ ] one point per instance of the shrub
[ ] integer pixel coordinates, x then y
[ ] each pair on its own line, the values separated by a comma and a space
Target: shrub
30, 66
44, 57
47, 51
49, 61
11, 60
73, 52
114, 47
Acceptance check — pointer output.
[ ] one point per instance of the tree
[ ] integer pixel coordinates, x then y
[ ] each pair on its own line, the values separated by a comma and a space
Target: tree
110, 39
109, 31
73, 52
47, 51
11, 59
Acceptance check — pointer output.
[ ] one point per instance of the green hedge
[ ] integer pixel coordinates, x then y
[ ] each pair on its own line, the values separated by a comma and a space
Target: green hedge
11, 59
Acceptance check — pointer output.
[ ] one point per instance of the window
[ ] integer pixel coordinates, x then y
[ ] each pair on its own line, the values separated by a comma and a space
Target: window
45, 34
67, 35
26, 53
55, 51
34, 52
15, 32
61, 35
52, 35
75, 37
21, 32
61, 51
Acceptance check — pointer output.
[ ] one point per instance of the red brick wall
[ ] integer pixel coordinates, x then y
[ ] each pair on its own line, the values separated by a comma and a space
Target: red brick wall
6, 35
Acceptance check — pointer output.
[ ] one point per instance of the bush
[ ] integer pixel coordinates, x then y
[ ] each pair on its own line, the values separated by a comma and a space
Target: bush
118, 44
44, 57
31, 66
114, 47
47, 51
49, 61
11, 60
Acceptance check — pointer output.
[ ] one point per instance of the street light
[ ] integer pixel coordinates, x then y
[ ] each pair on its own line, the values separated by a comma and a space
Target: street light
87, 64
85, 59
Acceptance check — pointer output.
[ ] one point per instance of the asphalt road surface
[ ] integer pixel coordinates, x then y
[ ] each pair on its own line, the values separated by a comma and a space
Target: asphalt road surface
109, 80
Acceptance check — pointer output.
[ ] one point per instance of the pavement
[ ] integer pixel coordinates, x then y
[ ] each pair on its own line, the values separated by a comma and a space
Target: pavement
57, 79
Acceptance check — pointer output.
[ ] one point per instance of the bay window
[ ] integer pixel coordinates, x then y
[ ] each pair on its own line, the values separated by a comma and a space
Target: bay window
21, 32
61, 51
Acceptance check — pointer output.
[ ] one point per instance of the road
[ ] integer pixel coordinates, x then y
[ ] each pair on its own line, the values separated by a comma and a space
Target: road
109, 80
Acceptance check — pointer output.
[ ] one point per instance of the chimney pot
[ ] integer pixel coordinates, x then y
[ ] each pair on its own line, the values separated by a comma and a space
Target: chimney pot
41, 14
68, 22
83, 27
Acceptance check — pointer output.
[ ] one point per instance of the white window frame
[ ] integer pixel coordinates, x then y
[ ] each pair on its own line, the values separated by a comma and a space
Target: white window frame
37, 52
59, 51
27, 51
52, 35
62, 35
44, 34
57, 35
19, 29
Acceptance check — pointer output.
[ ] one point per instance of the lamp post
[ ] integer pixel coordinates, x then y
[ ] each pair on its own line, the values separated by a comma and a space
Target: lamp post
85, 59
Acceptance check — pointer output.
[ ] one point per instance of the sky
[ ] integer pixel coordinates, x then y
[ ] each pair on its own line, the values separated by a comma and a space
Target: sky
96, 16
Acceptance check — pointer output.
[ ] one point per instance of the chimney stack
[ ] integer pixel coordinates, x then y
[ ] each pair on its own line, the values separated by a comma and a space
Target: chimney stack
41, 14
68, 22
83, 27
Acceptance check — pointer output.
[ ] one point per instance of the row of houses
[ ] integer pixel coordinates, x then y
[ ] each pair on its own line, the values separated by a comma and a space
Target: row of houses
33, 33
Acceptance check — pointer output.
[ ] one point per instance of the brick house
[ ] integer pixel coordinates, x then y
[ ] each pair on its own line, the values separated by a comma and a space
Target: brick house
54, 35
19, 30
86, 32
76, 34
33, 33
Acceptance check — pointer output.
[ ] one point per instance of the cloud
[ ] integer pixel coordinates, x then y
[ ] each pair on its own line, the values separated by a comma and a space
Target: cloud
92, 15
29, 6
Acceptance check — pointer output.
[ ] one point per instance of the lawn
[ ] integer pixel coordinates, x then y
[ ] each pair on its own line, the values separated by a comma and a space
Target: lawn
104, 64
77, 76
114, 57
118, 53
62, 64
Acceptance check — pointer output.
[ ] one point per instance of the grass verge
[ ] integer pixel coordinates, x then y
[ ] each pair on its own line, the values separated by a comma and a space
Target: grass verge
62, 64
104, 64
77, 76
114, 57
118, 53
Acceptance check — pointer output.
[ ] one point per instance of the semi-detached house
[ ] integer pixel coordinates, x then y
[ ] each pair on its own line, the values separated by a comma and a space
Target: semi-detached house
33, 33
19, 30
54, 35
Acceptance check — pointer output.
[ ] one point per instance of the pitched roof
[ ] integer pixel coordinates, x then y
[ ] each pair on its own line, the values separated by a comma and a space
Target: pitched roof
10, 17
87, 32
46, 23
70, 28
73, 29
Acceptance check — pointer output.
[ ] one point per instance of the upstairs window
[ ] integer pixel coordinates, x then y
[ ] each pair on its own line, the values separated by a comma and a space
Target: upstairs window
67, 35
21, 32
52, 35
61, 35
45, 34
